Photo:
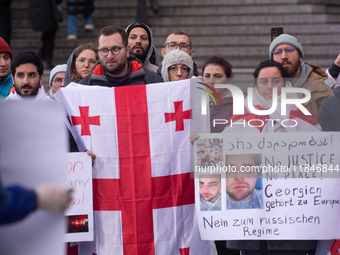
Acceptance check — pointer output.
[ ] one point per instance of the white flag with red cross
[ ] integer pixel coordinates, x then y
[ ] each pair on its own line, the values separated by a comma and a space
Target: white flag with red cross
335, 249
142, 188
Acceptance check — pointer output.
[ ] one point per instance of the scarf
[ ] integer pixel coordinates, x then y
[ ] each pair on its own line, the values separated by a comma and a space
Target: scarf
6, 86
41, 95
301, 82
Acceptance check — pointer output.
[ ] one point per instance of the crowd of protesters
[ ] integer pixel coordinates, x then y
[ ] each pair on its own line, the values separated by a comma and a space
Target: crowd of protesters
128, 57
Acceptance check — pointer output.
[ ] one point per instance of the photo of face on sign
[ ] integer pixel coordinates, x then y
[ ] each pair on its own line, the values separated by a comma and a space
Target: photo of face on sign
210, 192
243, 185
208, 150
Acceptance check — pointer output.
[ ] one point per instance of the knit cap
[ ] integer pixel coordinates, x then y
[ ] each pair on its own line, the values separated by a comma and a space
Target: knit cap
138, 24
176, 57
4, 47
57, 69
285, 39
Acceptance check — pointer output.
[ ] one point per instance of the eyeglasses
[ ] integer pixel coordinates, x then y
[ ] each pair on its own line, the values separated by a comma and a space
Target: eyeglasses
58, 81
89, 61
174, 69
114, 50
288, 51
174, 45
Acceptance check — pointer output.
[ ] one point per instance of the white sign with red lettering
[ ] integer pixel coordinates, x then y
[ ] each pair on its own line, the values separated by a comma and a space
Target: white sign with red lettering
80, 213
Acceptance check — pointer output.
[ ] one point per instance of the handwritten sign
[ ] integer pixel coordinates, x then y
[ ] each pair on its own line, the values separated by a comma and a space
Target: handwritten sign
80, 213
280, 186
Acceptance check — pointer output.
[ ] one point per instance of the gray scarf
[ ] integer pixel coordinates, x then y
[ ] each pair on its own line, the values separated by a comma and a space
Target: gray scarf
301, 82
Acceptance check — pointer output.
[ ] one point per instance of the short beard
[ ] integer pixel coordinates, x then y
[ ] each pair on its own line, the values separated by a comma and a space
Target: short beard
292, 70
116, 71
33, 93
140, 56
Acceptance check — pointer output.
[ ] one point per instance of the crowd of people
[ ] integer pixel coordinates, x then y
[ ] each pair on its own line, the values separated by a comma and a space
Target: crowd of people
128, 57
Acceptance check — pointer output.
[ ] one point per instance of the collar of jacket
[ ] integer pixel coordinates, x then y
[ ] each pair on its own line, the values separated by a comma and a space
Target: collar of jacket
135, 66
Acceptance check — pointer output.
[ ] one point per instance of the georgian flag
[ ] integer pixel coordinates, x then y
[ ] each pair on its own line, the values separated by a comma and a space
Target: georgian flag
335, 249
142, 189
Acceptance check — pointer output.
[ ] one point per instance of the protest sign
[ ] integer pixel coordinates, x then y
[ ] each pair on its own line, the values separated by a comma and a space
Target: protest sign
33, 147
80, 213
282, 186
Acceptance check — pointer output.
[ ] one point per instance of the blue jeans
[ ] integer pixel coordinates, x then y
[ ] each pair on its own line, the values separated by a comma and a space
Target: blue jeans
72, 28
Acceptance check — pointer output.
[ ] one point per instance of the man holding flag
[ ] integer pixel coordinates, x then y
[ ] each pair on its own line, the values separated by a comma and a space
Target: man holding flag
117, 67
143, 193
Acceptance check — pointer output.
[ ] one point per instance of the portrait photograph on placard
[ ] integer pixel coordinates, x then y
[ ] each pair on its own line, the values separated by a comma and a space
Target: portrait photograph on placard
243, 181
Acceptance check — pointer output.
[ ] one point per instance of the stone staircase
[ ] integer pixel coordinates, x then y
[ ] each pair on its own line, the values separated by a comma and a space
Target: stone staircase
238, 30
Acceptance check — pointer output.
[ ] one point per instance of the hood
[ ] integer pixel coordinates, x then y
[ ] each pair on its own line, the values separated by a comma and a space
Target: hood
152, 59
317, 71
68, 68
176, 57
55, 70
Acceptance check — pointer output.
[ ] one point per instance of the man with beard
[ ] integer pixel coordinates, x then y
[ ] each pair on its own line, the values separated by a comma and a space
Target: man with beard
210, 192
141, 45
5, 68
287, 50
27, 71
241, 184
116, 67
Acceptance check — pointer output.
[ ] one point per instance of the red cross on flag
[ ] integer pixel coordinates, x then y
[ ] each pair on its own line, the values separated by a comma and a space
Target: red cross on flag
335, 249
142, 189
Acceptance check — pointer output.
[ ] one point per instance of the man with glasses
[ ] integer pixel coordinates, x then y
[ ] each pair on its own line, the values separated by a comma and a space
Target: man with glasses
287, 50
116, 67
181, 41
57, 77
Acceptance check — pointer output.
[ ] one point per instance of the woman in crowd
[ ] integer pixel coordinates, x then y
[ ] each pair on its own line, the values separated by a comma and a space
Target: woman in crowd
177, 65
80, 63
268, 75
57, 77
217, 70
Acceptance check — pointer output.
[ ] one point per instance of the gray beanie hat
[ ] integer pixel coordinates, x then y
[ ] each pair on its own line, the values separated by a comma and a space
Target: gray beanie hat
285, 39
57, 69
175, 57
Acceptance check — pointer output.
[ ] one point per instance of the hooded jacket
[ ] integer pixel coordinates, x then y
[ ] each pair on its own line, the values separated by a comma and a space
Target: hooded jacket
152, 59
68, 69
136, 75
313, 78
318, 89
